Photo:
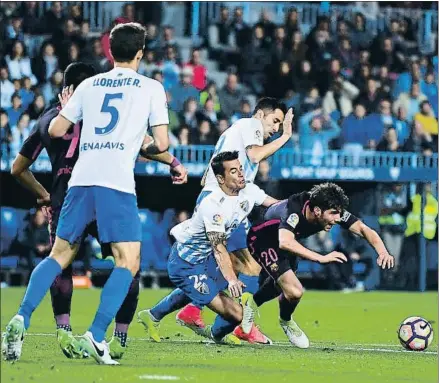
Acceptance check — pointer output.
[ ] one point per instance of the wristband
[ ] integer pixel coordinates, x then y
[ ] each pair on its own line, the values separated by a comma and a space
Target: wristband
175, 162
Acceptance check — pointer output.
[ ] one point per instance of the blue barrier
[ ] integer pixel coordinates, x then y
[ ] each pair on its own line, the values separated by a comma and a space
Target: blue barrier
297, 165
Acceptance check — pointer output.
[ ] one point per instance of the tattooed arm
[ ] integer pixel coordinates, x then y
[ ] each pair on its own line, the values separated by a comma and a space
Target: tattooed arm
219, 243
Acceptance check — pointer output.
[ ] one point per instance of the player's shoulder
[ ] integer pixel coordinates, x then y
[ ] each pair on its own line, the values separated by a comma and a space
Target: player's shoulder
296, 202
215, 200
46, 117
250, 189
243, 123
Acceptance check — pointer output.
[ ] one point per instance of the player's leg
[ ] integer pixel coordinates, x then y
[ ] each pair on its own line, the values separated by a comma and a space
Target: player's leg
74, 217
292, 292
118, 224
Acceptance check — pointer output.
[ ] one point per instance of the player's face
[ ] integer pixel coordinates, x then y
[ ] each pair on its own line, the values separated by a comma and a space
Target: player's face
233, 175
271, 123
329, 218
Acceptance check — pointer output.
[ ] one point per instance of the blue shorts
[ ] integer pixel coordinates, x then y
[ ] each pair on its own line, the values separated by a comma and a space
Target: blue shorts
201, 282
115, 212
238, 238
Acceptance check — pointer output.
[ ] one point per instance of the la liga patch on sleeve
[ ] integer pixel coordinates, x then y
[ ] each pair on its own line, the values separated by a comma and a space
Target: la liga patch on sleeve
293, 220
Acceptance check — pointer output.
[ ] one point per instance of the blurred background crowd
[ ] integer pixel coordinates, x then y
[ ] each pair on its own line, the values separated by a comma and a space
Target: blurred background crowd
352, 87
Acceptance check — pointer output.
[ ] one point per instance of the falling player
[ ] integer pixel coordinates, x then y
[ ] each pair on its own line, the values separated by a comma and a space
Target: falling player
199, 264
246, 136
63, 153
274, 245
116, 109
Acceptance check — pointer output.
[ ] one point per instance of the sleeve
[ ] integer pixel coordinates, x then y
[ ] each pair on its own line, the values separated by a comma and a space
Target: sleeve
290, 218
212, 217
159, 107
73, 110
257, 194
251, 133
33, 145
347, 220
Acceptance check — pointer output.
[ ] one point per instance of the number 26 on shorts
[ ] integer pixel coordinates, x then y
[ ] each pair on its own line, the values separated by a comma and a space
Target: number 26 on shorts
112, 110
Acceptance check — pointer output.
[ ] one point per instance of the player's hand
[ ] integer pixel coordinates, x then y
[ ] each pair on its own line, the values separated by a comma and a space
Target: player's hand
45, 201
288, 123
65, 95
385, 260
179, 175
334, 256
235, 288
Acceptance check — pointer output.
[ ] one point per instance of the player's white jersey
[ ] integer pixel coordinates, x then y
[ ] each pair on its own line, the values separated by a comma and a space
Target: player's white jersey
243, 133
218, 212
116, 108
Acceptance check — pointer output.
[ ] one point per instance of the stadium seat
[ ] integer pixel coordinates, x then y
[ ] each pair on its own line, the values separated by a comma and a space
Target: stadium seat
9, 263
304, 267
9, 227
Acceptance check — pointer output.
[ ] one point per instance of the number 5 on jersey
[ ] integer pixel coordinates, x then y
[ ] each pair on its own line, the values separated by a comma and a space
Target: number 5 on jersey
112, 110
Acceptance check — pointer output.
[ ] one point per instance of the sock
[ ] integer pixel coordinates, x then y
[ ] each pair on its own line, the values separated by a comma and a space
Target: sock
286, 307
173, 301
66, 327
122, 336
126, 312
112, 297
40, 281
221, 327
266, 292
62, 320
250, 281
61, 293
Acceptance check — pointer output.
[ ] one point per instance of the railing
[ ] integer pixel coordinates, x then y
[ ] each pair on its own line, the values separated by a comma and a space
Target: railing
204, 13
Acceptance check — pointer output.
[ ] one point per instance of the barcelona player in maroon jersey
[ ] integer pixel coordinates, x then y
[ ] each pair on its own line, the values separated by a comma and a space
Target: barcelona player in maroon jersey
274, 245
63, 153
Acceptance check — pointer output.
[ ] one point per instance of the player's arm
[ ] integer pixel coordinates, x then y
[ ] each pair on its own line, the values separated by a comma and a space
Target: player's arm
384, 260
257, 153
70, 113
219, 242
288, 242
269, 201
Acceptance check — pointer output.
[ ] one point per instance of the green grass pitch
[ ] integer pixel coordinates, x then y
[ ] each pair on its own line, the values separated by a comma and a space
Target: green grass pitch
353, 340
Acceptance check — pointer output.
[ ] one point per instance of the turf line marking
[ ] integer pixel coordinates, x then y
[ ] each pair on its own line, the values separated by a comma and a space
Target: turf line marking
316, 346
159, 377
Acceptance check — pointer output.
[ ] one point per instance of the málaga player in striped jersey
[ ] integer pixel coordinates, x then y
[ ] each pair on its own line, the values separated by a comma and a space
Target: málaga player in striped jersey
246, 136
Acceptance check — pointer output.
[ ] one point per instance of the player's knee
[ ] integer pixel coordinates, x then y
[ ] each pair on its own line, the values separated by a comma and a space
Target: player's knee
130, 262
293, 292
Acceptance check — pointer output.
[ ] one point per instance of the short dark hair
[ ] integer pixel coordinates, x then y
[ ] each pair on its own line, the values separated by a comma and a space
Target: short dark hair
270, 104
76, 73
218, 161
126, 40
328, 196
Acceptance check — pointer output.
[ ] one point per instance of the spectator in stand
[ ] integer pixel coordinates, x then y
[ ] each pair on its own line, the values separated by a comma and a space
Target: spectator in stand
168, 40
46, 63
97, 57
316, 131
170, 68
410, 101
304, 78
54, 18
255, 60
183, 90
245, 112
242, 30
419, 140
372, 97
427, 119
223, 125
188, 116
184, 135
62, 41
73, 55
339, 97
279, 47
208, 112
37, 107
158, 76
384, 82
230, 96
152, 42
26, 93
281, 82
75, 13
148, 64
84, 38
18, 62
401, 125
31, 21
311, 101
322, 53
14, 31
266, 23
298, 52
34, 241
292, 24
205, 135
19, 133
15, 111
263, 180
5, 133
355, 127
199, 70
50, 90
361, 76
348, 57
361, 37
7, 89
211, 92
342, 32
389, 143
429, 88
387, 56
406, 79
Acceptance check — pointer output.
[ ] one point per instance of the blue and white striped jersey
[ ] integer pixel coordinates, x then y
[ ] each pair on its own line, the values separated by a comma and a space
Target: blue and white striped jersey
218, 212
